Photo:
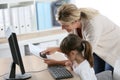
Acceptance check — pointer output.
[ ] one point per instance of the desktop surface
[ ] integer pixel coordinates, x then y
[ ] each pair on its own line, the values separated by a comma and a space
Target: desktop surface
34, 65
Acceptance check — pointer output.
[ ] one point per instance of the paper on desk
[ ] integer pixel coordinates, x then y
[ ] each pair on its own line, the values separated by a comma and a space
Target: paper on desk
58, 56
35, 50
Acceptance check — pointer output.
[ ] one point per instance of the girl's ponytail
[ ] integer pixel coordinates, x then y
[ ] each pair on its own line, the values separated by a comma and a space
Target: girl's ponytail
87, 52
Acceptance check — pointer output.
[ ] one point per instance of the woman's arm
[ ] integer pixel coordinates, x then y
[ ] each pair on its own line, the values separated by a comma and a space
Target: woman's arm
51, 50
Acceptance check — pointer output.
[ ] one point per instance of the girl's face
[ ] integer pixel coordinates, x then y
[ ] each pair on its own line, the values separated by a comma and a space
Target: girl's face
72, 56
70, 27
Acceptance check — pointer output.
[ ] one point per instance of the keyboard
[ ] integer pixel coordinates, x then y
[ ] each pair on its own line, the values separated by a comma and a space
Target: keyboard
59, 72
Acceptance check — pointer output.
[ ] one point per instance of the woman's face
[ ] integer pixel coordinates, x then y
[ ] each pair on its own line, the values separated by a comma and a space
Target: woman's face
70, 27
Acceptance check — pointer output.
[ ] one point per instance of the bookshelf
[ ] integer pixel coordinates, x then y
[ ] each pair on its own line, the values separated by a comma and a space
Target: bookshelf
52, 35
30, 15
26, 15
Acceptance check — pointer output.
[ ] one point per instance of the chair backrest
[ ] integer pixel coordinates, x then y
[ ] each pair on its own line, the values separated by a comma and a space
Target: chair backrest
116, 73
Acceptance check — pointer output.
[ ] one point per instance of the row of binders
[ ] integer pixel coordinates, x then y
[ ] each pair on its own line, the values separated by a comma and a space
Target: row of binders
21, 19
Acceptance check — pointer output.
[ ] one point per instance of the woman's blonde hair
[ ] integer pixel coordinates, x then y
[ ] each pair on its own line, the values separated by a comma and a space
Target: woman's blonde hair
69, 13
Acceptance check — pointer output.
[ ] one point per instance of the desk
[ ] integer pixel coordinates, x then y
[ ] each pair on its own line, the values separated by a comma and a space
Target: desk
31, 63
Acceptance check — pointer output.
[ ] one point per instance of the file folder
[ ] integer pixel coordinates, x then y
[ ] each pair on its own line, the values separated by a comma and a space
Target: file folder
28, 18
15, 20
47, 15
2, 31
7, 18
21, 13
40, 15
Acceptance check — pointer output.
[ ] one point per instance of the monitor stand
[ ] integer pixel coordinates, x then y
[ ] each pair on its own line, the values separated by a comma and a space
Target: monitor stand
14, 76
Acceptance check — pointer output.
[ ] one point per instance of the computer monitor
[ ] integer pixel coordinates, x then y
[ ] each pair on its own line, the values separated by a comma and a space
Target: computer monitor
17, 59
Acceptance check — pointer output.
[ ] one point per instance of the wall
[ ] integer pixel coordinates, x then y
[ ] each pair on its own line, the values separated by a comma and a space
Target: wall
109, 8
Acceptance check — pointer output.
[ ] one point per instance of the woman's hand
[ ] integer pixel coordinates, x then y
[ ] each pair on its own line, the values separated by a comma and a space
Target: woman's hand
51, 50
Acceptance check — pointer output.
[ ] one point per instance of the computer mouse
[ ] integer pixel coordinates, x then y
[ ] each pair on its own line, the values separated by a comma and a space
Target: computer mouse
43, 55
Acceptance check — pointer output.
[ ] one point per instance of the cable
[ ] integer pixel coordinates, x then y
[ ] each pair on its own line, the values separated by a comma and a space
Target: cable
26, 72
36, 71
3, 74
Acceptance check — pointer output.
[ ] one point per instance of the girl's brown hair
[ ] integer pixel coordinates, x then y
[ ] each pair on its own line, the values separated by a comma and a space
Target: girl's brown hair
74, 42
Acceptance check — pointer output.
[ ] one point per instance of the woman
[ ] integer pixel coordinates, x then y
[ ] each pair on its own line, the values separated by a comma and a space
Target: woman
90, 25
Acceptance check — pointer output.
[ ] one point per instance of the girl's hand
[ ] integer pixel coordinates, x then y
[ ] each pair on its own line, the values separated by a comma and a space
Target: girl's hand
68, 63
55, 62
50, 62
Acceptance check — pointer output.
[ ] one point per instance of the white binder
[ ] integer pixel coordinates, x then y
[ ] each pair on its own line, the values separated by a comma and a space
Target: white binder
22, 19
15, 20
28, 18
2, 31
7, 18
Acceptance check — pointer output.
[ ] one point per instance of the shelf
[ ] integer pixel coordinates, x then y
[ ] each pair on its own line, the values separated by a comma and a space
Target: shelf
3, 6
17, 1
33, 35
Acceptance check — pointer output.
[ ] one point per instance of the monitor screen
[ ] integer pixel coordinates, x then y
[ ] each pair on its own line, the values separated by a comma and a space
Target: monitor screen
16, 56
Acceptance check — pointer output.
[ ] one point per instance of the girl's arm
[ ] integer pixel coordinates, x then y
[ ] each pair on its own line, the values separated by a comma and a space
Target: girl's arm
55, 62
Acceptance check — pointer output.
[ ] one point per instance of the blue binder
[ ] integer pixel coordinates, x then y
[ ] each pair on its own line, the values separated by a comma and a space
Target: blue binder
47, 15
40, 15
43, 12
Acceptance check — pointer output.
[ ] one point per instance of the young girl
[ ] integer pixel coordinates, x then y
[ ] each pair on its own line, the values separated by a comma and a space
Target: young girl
79, 52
